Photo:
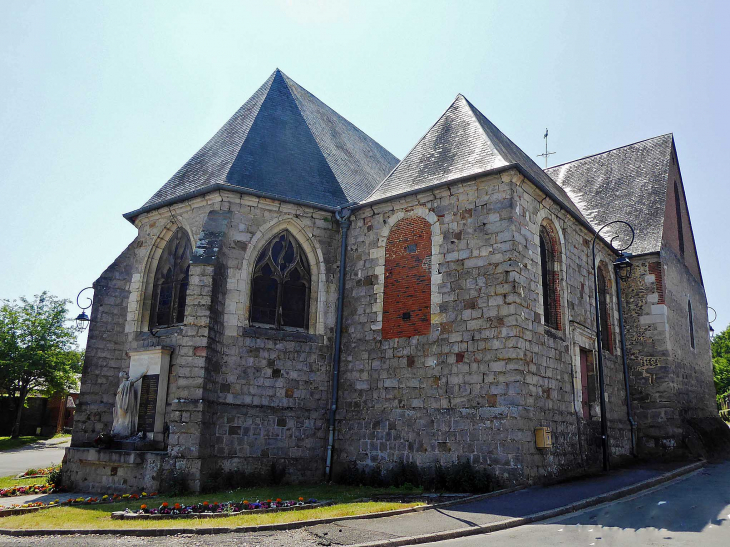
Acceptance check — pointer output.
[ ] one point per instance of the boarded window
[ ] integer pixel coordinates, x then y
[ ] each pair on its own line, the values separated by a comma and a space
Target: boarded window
170, 287
589, 396
281, 285
549, 264
407, 291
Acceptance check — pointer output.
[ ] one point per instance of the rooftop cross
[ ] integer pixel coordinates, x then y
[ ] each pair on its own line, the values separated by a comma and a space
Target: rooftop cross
546, 154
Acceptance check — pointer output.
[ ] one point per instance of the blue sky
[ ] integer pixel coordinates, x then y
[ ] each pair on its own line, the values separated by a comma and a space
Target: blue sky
101, 102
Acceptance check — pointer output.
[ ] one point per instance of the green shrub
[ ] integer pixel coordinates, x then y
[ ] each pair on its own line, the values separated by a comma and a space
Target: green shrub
218, 479
459, 477
54, 478
176, 482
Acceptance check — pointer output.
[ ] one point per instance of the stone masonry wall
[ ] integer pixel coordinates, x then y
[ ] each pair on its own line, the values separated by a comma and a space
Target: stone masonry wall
489, 372
692, 367
105, 350
242, 396
670, 381
552, 382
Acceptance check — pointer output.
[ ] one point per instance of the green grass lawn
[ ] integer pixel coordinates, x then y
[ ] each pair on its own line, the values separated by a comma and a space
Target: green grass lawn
6, 482
7, 443
99, 516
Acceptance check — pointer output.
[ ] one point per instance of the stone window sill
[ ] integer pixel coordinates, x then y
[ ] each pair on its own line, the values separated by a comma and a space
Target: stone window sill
552, 333
274, 334
167, 331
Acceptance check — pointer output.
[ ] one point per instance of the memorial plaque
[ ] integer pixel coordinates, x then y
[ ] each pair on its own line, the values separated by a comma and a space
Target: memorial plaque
148, 403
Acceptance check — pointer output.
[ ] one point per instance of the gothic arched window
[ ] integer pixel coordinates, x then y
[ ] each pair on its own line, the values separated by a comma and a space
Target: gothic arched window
603, 300
549, 260
171, 282
281, 283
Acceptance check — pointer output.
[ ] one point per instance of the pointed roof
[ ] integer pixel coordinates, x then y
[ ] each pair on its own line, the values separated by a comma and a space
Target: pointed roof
462, 142
283, 142
627, 183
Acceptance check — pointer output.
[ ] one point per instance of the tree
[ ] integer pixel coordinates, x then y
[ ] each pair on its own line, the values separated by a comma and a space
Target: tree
721, 362
37, 349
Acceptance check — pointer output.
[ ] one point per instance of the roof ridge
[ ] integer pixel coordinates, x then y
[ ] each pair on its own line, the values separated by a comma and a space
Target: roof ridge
304, 98
497, 145
609, 150
425, 134
510, 152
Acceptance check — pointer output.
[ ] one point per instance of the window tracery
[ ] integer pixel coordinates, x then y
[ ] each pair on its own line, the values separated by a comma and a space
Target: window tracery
281, 284
171, 282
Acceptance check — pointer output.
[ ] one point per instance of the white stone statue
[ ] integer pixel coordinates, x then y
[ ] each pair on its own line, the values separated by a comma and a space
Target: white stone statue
127, 406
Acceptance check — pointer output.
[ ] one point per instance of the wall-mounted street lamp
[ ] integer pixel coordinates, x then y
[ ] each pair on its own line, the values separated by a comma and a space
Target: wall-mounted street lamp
709, 323
623, 269
82, 320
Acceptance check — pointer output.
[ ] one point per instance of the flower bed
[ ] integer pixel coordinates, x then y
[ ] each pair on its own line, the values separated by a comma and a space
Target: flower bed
20, 508
26, 490
43, 472
216, 509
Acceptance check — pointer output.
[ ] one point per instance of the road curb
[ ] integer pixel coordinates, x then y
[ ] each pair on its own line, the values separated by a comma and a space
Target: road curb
535, 517
396, 542
154, 532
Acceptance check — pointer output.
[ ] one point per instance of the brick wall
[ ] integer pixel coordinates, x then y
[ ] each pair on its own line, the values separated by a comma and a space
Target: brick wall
407, 291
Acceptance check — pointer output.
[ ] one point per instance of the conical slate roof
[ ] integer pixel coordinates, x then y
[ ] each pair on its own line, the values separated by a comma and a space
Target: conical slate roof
462, 142
628, 183
283, 142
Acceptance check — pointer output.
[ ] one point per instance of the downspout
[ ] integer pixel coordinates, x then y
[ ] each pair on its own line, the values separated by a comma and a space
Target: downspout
629, 414
342, 216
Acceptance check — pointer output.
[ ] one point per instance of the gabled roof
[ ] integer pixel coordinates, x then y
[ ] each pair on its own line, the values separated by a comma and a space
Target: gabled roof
283, 142
462, 142
627, 183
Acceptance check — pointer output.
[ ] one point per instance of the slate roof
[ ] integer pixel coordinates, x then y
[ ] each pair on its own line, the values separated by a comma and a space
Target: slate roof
627, 183
283, 142
462, 142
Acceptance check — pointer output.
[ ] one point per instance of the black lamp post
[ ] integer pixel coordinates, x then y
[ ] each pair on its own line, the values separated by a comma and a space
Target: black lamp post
623, 268
82, 320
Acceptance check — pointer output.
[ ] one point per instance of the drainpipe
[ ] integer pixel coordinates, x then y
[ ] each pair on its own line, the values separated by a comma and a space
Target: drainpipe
632, 423
342, 216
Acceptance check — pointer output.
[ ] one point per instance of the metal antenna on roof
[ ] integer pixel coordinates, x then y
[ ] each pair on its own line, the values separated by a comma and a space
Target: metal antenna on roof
546, 154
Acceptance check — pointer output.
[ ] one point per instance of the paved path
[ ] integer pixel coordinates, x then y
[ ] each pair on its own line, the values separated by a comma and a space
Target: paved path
516, 504
39, 454
694, 512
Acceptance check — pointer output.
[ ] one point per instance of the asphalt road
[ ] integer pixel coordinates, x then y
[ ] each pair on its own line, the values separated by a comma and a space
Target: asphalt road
18, 460
694, 512
691, 512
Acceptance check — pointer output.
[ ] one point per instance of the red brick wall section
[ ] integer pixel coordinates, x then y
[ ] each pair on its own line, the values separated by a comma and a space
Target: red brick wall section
656, 269
407, 291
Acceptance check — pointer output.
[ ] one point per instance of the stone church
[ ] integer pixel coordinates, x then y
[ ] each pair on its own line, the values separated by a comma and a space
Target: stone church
296, 294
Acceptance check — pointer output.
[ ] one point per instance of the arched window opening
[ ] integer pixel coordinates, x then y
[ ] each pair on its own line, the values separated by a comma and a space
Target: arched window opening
281, 285
691, 325
549, 261
170, 286
678, 209
603, 300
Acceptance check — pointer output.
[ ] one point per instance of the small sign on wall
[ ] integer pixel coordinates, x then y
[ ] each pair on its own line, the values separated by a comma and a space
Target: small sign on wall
543, 437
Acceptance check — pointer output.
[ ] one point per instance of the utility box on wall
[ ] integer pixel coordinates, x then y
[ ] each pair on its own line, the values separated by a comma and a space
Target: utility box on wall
543, 437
